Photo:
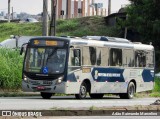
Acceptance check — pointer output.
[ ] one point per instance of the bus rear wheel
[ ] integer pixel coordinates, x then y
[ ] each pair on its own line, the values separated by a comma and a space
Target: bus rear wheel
96, 96
130, 92
83, 91
46, 95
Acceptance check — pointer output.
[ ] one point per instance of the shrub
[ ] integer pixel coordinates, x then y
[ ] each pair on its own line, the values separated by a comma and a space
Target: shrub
11, 69
157, 85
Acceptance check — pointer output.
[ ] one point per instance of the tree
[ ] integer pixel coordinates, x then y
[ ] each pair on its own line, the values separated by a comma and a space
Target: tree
144, 17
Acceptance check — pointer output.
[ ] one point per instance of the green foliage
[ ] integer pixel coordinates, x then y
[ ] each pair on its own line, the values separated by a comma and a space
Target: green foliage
25, 29
157, 85
85, 26
71, 27
156, 90
11, 69
67, 25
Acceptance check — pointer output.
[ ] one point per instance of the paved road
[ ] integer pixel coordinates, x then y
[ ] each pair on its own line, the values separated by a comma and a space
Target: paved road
37, 103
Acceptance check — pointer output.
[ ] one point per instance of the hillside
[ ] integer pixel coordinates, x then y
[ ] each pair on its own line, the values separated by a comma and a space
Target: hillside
72, 27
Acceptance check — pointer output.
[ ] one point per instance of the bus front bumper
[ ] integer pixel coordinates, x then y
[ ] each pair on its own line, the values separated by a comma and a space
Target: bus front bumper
43, 86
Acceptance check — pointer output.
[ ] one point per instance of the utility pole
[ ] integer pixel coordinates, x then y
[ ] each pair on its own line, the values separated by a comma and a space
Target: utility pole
12, 13
9, 5
126, 29
67, 14
96, 8
109, 7
45, 18
52, 31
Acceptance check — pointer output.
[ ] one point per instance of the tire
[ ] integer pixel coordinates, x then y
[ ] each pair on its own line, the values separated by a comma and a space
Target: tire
96, 96
130, 92
82, 92
46, 95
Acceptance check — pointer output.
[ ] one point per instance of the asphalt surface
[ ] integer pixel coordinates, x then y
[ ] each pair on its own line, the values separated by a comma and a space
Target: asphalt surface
67, 102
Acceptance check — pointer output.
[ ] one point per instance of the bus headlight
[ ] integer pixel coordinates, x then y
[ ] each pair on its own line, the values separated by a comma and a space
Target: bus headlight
59, 80
25, 78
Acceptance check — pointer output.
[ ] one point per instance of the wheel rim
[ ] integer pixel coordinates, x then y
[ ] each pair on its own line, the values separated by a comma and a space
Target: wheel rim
83, 91
131, 91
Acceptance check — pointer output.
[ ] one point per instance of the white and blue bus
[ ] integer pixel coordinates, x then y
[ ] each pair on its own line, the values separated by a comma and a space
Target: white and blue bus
96, 65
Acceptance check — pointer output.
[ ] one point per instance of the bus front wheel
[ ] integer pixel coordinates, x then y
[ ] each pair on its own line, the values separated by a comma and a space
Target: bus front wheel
46, 95
82, 92
130, 92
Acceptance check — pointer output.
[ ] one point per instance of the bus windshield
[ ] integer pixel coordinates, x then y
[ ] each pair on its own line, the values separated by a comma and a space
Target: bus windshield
48, 60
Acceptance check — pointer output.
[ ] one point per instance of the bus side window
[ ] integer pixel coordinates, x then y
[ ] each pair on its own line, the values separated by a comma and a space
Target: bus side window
115, 57
77, 57
128, 58
74, 57
99, 56
102, 56
86, 56
150, 59
140, 58
92, 51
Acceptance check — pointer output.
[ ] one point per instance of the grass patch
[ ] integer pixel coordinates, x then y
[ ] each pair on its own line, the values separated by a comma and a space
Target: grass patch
11, 69
85, 26
154, 93
156, 90
93, 108
72, 27
22, 29
157, 85
17, 94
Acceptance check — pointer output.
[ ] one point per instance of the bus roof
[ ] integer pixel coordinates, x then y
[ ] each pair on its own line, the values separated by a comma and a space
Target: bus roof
112, 42
101, 41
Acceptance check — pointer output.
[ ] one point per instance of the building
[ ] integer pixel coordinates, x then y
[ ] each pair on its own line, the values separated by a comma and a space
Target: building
79, 8
3, 13
14, 15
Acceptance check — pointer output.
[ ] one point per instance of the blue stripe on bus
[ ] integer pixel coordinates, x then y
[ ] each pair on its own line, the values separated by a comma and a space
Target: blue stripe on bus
108, 74
147, 75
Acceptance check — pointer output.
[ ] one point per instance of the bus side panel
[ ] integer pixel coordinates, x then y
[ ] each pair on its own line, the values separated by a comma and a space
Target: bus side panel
110, 80
147, 82
75, 79
110, 87
144, 78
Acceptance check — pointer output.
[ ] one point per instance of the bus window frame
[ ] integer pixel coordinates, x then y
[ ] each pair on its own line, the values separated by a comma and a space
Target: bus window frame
73, 54
110, 57
133, 56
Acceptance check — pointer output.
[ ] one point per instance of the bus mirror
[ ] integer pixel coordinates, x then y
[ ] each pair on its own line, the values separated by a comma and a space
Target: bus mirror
22, 49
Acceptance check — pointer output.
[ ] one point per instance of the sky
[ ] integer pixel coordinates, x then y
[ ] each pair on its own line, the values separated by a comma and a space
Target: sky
36, 6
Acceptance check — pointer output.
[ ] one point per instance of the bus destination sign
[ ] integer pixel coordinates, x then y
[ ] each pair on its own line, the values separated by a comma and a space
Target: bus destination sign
48, 43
